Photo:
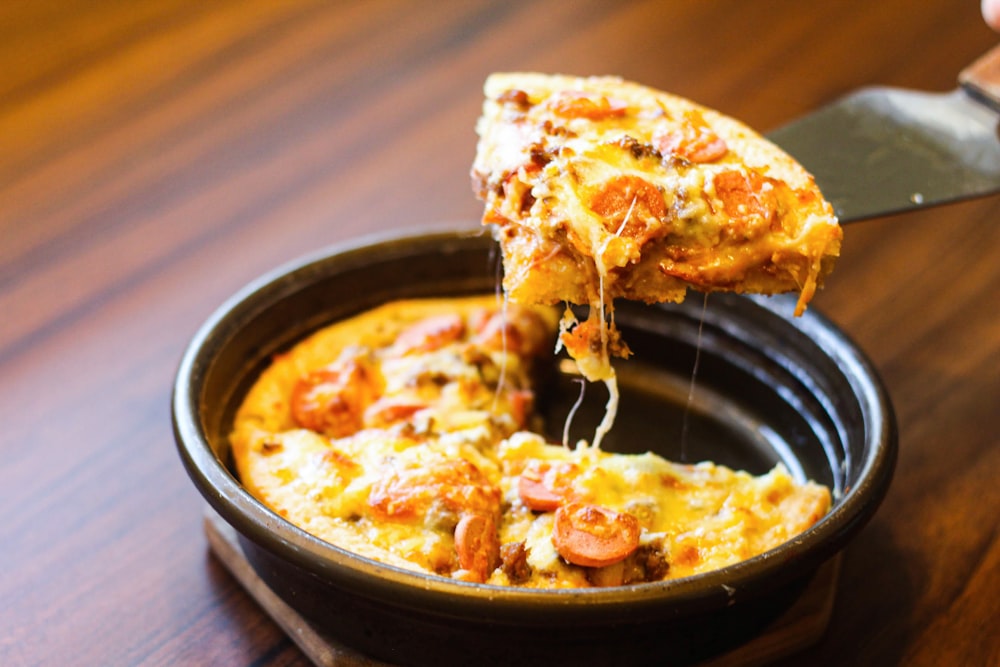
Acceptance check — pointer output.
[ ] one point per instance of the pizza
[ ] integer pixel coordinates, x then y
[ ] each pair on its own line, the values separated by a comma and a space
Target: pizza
409, 435
599, 189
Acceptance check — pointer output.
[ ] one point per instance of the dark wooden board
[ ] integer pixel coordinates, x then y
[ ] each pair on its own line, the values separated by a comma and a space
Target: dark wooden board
802, 624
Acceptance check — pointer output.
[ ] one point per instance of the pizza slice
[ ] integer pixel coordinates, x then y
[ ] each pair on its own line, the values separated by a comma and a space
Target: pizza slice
600, 189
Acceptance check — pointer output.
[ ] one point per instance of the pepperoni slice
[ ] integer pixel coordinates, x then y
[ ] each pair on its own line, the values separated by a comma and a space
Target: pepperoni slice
594, 536
744, 195
332, 400
387, 411
456, 487
633, 201
545, 487
696, 145
536, 495
578, 104
518, 330
616, 196
477, 545
430, 334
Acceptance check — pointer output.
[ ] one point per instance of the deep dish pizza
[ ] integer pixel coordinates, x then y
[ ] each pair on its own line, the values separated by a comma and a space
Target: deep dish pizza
603, 189
599, 189
408, 435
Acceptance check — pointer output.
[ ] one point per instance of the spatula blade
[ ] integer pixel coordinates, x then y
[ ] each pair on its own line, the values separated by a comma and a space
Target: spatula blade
882, 150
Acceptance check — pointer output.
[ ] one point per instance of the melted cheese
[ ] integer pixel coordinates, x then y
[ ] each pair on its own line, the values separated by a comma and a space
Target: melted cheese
440, 437
706, 516
599, 177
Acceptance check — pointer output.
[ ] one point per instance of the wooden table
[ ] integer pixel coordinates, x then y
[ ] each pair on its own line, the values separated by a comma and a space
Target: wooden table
156, 156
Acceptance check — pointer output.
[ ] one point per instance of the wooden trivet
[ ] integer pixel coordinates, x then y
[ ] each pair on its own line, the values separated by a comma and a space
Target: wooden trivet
801, 625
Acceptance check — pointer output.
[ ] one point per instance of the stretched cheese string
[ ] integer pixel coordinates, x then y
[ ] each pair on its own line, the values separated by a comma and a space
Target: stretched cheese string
628, 214
610, 409
503, 347
572, 412
611, 378
694, 377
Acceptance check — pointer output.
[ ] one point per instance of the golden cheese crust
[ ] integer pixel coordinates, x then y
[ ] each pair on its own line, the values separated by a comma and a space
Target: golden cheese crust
600, 188
407, 435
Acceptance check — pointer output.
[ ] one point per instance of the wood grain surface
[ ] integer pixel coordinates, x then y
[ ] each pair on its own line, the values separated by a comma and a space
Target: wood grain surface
155, 156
